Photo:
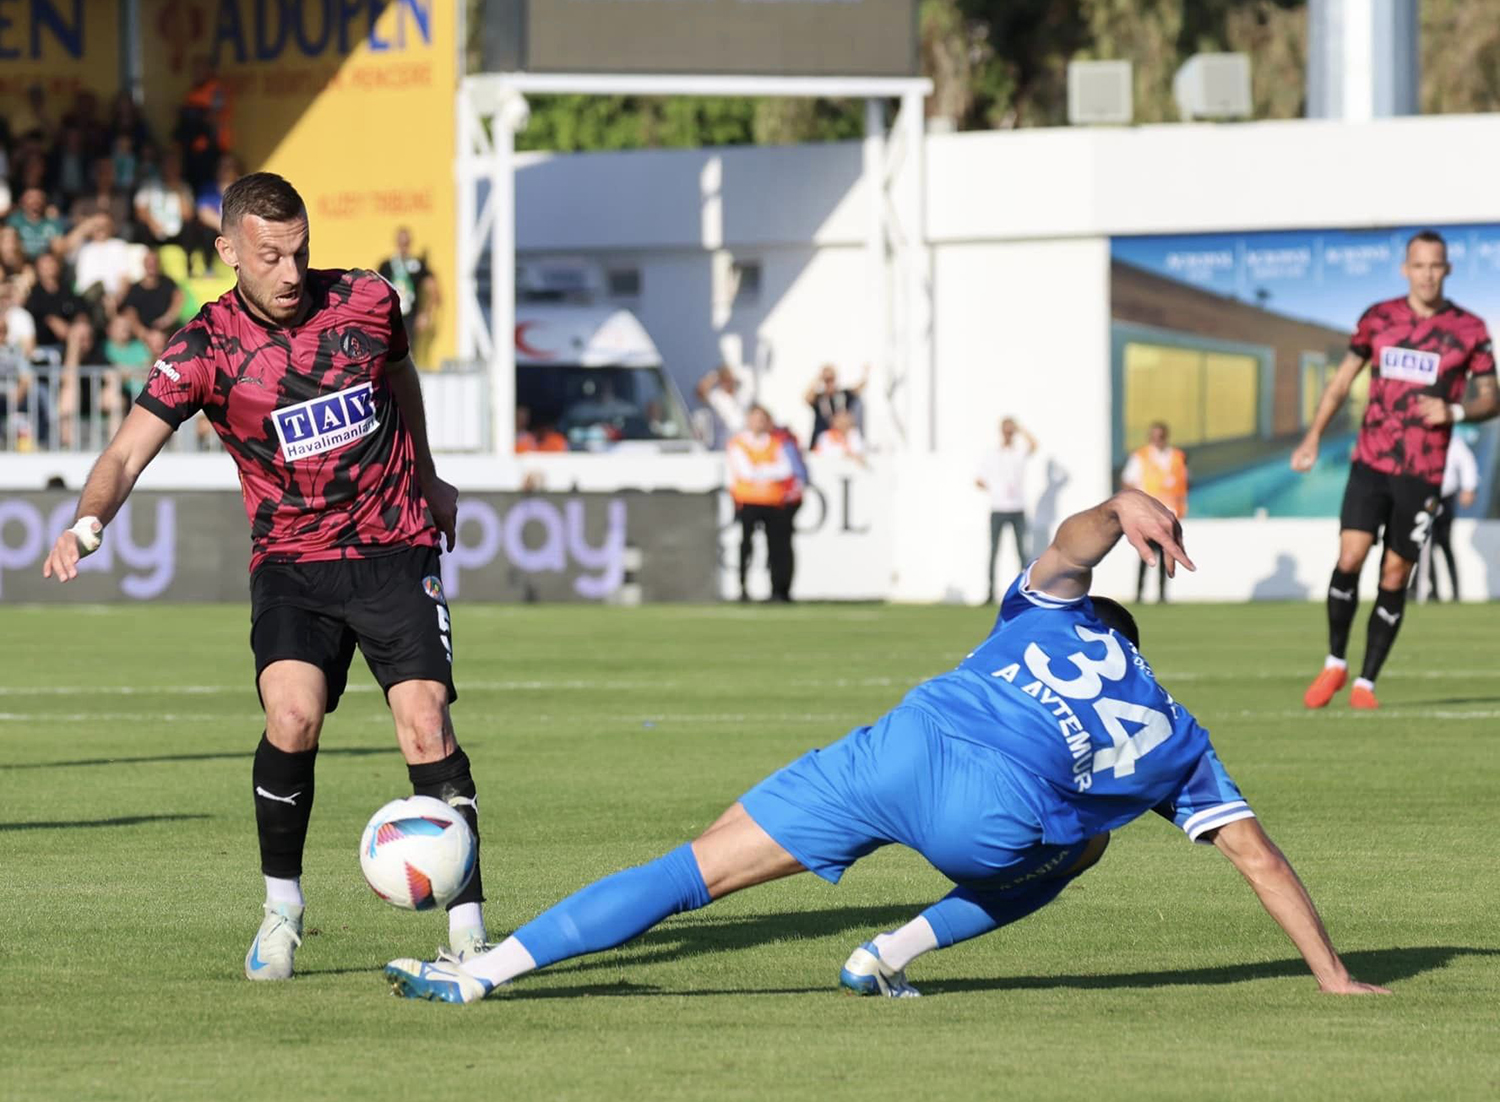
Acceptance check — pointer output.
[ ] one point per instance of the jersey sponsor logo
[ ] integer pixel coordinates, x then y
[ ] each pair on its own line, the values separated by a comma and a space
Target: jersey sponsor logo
168, 370
1409, 365
322, 424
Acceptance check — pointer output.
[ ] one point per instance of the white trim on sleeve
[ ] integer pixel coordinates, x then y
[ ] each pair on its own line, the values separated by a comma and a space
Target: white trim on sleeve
1040, 599
1214, 817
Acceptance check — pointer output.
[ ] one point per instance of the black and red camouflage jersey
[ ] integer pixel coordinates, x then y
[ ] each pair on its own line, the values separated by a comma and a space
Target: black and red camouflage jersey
1410, 356
326, 464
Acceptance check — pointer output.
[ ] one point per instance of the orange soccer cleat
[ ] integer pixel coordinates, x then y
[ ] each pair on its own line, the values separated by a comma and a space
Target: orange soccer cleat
1363, 698
1321, 691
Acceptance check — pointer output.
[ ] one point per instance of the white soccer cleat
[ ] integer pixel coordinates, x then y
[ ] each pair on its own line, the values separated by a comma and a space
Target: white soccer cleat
864, 973
441, 981
279, 936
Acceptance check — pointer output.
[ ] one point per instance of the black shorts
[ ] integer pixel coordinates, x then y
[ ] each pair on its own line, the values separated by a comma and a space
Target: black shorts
1402, 505
392, 605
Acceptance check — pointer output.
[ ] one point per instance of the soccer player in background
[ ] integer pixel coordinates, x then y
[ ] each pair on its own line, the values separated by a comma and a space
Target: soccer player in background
1006, 773
1424, 349
305, 375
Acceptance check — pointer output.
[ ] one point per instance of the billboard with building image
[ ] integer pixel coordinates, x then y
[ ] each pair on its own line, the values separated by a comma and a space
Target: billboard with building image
1229, 338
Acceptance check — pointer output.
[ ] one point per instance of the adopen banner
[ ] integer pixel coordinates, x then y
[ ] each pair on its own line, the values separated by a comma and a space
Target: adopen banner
352, 102
1230, 337
62, 47
195, 546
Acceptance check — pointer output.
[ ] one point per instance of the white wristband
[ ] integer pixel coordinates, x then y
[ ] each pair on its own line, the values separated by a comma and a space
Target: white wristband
88, 538
1456, 412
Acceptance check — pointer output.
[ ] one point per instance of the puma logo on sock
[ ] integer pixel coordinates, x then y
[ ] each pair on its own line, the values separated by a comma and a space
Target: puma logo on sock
1388, 617
1341, 594
292, 799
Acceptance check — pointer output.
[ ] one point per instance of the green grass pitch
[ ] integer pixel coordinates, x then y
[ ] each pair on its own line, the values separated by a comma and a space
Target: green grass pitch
602, 737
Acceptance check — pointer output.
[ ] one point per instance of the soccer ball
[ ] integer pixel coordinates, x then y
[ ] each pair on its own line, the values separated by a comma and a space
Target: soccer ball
417, 853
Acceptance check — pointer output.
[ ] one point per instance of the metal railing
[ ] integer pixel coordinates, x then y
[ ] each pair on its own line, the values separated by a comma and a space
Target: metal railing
46, 406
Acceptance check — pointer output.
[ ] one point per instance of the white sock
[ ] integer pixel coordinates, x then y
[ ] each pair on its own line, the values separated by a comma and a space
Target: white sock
1363, 683
466, 916
905, 945
1332, 663
504, 962
284, 891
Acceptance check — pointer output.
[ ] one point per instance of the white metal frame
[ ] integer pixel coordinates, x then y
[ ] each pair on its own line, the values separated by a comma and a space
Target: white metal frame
491, 109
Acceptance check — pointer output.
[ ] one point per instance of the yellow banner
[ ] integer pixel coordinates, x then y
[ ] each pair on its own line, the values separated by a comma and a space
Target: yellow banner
350, 100
62, 47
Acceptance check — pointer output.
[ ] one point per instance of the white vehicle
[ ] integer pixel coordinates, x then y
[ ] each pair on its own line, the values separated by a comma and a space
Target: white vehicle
592, 373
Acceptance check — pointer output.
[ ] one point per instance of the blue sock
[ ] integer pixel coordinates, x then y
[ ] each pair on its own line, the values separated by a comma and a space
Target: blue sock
962, 913
611, 911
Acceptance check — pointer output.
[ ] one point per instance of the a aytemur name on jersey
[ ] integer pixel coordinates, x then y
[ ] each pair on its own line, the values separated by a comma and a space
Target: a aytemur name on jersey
321, 424
1409, 365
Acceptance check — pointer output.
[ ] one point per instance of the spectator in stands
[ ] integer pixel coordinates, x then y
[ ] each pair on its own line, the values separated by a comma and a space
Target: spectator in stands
62, 324
827, 398
101, 268
1160, 470
125, 162
18, 387
6, 201
842, 439
126, 122
1002, 474
19, 325
728, 392
414, 284
34, 117
543, 438
164, 207
211, 195
40, 232
763, 481
129, 356
102, 198
205, 122
154, 305
70, 166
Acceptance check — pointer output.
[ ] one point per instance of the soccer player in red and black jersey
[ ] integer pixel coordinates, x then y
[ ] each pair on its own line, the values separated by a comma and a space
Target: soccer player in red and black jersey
1423, 351
305, 375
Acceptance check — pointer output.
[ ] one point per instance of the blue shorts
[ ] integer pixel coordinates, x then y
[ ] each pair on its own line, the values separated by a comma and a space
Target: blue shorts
904, 780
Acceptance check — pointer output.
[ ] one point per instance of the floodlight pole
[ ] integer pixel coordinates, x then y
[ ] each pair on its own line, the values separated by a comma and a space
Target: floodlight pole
491, 108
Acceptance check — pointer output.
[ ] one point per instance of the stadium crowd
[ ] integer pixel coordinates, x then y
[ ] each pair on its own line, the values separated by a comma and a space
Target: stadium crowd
102, 224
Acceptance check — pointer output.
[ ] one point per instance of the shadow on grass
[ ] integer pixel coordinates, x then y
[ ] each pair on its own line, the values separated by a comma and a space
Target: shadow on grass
1378, 966
222, 755
681, 940
120, 821
1452, 700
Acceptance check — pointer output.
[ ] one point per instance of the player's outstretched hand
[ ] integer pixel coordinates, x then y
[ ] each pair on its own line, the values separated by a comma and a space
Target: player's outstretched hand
442, 502
1306, 455
1433, 411
62, 560
1351, 986
1144, 521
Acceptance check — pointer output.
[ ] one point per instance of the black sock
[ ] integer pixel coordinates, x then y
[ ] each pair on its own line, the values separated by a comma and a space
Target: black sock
1385, 621
283, 789
1343, 599
449, 780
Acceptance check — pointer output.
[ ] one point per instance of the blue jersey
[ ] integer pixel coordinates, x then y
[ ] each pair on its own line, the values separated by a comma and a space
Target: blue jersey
1078, 715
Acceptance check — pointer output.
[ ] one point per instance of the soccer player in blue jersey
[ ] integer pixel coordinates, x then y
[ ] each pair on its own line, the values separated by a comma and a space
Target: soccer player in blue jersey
1006, 773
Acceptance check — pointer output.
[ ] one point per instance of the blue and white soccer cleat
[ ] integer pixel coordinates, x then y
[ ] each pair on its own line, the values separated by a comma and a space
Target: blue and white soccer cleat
279, 936
865, 973
441, 981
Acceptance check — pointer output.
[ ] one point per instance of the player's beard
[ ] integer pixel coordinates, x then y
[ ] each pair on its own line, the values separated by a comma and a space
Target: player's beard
272, 308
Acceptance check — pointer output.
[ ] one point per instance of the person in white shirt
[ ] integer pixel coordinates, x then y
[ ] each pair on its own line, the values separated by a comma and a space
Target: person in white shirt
842, 439
728, 391
103, 261
1002, 473
1460, 486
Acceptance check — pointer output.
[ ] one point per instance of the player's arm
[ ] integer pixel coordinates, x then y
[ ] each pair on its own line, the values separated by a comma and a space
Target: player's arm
1328, 406
1484, 405
442, 498
140, 437
1276, 884
1066, 568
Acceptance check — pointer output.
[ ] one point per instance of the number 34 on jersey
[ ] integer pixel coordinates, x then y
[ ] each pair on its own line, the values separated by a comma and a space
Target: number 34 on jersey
1094, 676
